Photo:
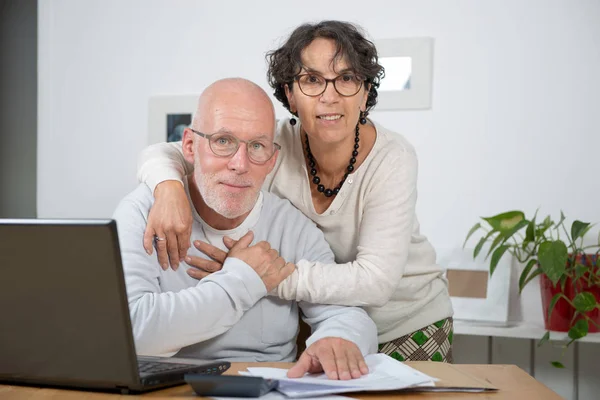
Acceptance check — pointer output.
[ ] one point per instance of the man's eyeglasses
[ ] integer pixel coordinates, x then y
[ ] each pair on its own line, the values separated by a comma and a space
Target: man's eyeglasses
225, 145
313, 85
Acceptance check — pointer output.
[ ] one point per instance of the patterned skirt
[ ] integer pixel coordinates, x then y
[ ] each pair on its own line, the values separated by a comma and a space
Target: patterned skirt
432, 343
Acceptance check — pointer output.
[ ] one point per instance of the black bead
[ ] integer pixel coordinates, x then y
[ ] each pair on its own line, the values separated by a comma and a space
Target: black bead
313, 171
292, 121
363, 118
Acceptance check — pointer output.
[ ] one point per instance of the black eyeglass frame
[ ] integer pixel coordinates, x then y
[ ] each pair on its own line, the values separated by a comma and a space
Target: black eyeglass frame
363, 80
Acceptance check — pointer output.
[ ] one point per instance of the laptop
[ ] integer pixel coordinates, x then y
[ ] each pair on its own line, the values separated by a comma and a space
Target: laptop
64, 314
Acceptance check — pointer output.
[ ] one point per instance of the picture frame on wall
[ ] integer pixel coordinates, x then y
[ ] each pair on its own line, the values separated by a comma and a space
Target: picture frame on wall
408, 81
476, 296
168, 116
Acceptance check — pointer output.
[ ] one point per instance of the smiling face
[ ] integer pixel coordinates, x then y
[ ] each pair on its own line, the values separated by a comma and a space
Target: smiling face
229, 186
330, 117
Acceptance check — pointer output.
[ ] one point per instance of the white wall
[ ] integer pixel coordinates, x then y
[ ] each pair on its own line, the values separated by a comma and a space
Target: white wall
514, 122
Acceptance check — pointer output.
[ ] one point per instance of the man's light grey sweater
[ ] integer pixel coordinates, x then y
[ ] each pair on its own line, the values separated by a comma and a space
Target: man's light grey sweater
228, 314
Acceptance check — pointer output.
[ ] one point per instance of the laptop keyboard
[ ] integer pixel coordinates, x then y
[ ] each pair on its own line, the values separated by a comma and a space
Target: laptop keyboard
153, 367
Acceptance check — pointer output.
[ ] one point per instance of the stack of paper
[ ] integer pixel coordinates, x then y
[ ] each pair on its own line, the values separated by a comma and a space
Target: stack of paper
385, 373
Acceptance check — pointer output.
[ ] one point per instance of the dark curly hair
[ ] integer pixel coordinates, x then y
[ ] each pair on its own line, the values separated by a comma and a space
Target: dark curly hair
285, 62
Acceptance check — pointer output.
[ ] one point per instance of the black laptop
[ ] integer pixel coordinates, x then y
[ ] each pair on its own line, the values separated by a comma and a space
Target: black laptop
64, 315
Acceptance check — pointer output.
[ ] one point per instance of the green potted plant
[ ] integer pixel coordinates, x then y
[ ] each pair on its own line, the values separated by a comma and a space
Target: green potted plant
569, 270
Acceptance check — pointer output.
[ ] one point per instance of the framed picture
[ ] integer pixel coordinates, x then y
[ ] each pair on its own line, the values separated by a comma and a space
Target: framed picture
476, 296
168, 116
408, 64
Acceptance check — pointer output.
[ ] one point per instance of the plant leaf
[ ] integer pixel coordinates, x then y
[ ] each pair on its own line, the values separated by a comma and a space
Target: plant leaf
495, 243
508, 233
543, 227
471, 232
525, 272
496, 257
578, 228
530, 277
530, 232
563, 282
547, 221
505, 221
481, 243
555, 299
557, 364
580, 270
584, 302
539, 233
553, 258
586, 230
579, 330
544, 339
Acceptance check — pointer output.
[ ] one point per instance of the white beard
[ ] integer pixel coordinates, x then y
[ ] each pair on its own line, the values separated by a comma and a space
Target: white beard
227, 204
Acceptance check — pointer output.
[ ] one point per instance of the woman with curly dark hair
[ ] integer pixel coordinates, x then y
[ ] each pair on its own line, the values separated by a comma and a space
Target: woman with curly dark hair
355, 179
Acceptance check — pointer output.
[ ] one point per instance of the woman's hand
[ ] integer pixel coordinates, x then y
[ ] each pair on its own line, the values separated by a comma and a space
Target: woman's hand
169, 224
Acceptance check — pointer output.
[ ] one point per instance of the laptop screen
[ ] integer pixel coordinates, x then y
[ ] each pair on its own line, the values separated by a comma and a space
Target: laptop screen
64, 315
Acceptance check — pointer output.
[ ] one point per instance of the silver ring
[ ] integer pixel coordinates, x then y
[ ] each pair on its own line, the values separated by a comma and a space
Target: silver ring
156, 238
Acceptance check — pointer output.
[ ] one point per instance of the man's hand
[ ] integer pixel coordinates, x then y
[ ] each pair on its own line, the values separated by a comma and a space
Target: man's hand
267, 263
203, 267
337, 357
170, 219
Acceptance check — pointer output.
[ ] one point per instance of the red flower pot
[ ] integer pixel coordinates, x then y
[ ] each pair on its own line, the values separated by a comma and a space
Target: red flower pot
563, 312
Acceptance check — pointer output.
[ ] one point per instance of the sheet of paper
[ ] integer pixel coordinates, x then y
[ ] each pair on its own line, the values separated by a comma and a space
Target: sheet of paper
385, 373
280, 396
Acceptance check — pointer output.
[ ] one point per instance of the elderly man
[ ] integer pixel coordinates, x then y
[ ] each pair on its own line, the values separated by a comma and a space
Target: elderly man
228, 314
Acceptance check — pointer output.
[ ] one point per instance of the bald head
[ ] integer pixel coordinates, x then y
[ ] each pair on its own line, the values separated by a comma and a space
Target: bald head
233, 98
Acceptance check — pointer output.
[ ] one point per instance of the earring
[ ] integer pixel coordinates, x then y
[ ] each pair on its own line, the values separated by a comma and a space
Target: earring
292, 121
363, 117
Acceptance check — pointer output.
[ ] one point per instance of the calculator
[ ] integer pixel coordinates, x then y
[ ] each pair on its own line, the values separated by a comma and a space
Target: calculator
230, 385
